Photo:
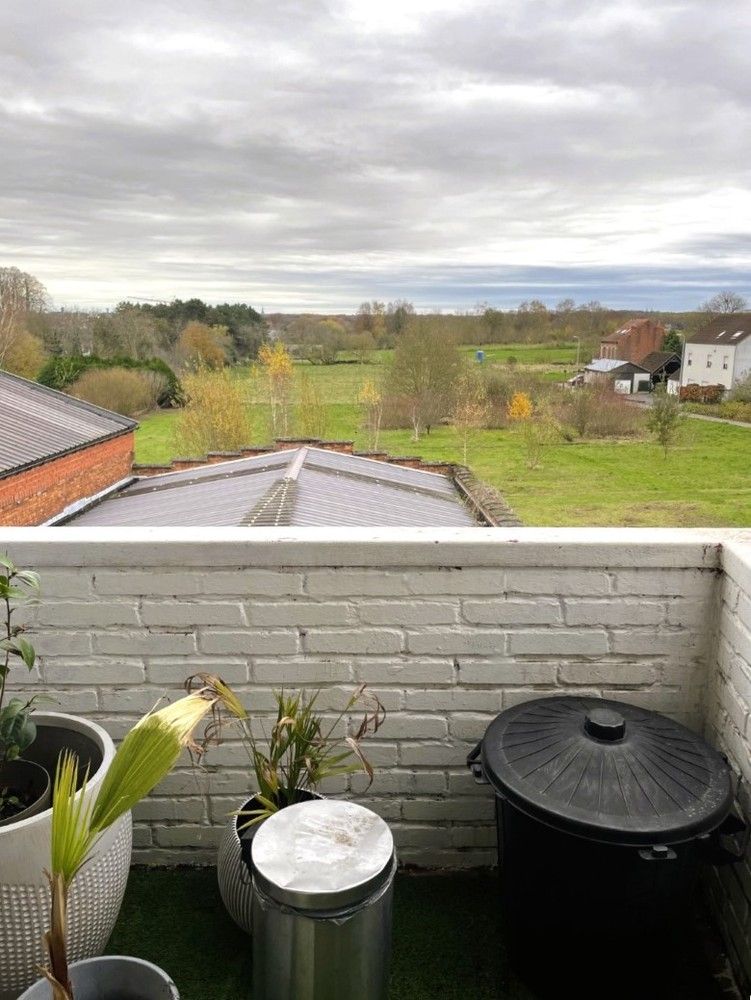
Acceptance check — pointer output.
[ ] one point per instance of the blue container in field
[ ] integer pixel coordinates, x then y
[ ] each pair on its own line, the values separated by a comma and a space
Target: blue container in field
480, 356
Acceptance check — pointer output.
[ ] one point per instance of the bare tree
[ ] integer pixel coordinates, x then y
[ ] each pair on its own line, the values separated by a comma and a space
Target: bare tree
20, 295
724, 302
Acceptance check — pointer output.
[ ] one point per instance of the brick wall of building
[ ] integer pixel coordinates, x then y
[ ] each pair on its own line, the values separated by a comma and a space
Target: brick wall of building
32, 496
642, 338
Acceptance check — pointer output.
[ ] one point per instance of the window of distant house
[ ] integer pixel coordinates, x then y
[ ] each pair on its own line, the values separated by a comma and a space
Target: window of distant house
688, 362
709, 362
725, 362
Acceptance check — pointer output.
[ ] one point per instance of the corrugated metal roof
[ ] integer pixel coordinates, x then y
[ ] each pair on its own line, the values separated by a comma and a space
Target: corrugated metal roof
37, 423
303, 487
605, 364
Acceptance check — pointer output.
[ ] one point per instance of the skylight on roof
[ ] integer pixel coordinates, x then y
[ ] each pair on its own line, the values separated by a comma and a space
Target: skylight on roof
721, 334
738, 333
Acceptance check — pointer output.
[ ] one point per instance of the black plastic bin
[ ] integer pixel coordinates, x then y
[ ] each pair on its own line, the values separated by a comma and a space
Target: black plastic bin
605, 812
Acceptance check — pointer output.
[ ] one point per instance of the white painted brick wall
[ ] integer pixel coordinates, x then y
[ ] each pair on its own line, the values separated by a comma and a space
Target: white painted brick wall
729, 727
449, 627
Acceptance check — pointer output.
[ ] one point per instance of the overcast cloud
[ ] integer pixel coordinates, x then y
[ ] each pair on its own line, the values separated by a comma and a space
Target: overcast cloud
311, 154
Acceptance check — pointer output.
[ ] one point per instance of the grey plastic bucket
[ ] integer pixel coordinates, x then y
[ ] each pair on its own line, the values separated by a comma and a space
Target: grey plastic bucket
112, 977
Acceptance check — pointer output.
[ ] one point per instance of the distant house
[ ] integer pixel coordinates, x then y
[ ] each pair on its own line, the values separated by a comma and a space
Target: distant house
633, 341
624, 376
661, 365
720, 353
55, 450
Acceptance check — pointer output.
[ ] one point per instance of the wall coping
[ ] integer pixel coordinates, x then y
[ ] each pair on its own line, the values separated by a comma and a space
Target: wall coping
368, 547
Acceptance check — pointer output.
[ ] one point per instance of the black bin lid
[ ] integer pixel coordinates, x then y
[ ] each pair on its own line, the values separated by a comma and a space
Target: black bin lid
607, 771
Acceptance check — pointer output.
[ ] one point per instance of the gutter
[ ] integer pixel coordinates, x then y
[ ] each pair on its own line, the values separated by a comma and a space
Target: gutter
79, 506
66, 451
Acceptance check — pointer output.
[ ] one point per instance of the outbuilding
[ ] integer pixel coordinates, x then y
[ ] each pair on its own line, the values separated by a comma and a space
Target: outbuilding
624, 376
55, 449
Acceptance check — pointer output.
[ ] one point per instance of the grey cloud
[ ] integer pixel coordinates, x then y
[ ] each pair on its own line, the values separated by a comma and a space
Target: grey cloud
282, 152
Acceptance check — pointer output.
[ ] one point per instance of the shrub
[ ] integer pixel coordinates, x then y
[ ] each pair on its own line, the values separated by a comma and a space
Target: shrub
312, 412
215, 416
596, 412
741, 391
118, 389
694, 393
60, 372
736, 410
25, 355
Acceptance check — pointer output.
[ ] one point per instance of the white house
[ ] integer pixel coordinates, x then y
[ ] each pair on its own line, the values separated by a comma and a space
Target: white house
720, 354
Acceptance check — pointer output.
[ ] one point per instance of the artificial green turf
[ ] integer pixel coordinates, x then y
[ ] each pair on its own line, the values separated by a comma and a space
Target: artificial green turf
448, 944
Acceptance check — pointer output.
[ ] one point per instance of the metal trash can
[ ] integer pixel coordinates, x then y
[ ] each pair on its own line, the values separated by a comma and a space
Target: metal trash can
323, 877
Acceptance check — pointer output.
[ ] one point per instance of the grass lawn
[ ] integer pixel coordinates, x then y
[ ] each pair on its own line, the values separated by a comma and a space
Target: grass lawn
705, 481
448, 942
528, 354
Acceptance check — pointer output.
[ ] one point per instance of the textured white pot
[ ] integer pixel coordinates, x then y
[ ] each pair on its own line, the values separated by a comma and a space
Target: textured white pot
97, 892
234, 878
235, 886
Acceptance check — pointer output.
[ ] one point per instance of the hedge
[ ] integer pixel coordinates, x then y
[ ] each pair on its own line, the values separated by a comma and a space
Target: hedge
60, 372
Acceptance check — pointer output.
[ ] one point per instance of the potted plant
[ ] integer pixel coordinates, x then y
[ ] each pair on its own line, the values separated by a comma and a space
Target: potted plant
30, 743
288, 765
24, 784
146, 755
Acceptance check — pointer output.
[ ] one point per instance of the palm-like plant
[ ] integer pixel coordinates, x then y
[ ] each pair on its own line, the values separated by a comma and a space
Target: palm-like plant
301, 750
146, 755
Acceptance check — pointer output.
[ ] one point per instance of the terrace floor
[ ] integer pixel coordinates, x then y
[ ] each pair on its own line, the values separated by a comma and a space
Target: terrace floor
449, 944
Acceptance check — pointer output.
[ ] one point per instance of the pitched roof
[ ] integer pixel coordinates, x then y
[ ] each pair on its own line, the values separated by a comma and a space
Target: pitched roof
657, 360
304, 486
609, 365
39, 424
729, 329
632, 324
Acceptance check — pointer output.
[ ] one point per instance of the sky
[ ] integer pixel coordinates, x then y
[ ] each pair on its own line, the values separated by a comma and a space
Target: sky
312, 154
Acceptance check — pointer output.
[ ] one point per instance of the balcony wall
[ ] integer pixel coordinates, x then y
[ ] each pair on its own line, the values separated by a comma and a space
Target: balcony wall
729, 728
447, 626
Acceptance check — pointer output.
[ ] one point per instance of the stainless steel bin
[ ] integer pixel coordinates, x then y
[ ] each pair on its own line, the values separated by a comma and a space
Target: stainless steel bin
323, 877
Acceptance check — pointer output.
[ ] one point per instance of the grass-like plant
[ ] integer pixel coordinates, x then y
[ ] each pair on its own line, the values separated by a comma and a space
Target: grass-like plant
146, 755
302, 749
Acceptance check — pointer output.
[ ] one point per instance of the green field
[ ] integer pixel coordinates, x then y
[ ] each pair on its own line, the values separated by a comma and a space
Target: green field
705, 481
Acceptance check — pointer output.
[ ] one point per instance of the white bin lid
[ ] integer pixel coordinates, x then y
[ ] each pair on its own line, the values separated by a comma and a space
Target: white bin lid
322, 855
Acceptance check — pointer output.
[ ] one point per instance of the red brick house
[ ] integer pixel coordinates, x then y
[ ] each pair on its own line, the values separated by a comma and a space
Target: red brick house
55, 450
633, 341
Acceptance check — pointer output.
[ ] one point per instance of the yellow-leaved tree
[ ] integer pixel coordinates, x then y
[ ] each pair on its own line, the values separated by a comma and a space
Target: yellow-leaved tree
370, 399
216, 415
278, 369
203, 345
520, 408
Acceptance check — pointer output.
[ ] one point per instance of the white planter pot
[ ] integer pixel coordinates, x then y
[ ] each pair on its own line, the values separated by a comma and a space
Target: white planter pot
98, 890
233, 876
